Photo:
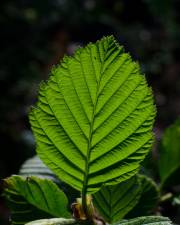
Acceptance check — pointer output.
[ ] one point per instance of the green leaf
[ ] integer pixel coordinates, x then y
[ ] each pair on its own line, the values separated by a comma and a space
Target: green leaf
169, 161
54, 221
148, 220
114, 202
34, 198
35, 167
148, 200
176, 200
94, 117
21, 211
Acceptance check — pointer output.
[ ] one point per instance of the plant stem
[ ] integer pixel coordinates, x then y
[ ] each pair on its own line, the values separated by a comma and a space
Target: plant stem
84, 202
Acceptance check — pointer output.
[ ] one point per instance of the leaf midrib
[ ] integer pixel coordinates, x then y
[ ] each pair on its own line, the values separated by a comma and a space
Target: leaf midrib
85, 183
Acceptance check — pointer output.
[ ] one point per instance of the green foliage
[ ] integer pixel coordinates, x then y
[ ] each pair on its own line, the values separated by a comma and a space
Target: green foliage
148, 200
54, 221
93, 120
136, 197
35, 167
34, 198
148, 220
169, 160
114, 202
93, 127
176, 200
21, 210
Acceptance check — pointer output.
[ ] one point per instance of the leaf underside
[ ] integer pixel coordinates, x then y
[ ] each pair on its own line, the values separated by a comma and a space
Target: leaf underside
54, 221
93, 119
148, 220
35, 167
114, 202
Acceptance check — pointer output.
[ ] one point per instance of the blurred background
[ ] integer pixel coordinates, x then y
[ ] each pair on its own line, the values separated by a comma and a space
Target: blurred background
35, 34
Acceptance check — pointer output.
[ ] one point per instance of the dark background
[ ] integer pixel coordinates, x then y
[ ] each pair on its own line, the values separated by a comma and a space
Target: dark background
35, 34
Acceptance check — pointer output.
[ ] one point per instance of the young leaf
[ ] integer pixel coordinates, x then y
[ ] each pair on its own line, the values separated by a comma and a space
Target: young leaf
34, 198
169, 162
148, 220
93, 120
114, 202
54, 221
148, 200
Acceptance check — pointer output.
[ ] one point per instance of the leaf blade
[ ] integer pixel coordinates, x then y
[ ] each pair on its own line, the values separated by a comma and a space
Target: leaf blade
83, 111
169, 161
54, 221
35, 167
34, 198
151, 220
148, 199
114, 202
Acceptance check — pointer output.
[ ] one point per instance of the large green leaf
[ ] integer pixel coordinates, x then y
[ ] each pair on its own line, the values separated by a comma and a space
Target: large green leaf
34, 198
148, 200
169, 161
93, 120
148, 220
114, 202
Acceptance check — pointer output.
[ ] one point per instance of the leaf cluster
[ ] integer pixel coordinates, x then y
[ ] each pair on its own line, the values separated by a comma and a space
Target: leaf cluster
93, 127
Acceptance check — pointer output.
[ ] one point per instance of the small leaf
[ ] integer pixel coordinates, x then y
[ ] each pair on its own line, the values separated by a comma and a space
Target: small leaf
35, 167
148, 200
114, 202
34, 198
149, 220
169, 161
176, 200
93, 119
54, 221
